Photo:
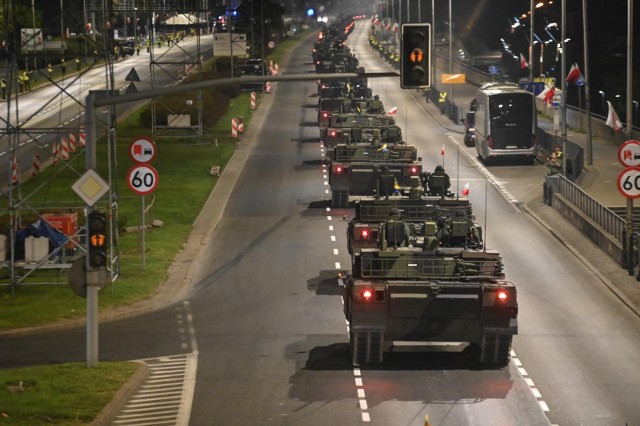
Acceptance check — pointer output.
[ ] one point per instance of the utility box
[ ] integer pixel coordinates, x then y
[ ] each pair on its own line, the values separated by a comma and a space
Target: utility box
67, 223
36, 249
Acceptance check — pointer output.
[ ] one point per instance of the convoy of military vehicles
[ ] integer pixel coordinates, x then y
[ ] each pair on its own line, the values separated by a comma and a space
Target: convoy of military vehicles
420, 273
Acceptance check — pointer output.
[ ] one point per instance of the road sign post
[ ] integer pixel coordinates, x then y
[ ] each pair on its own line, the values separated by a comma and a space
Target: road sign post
629, 186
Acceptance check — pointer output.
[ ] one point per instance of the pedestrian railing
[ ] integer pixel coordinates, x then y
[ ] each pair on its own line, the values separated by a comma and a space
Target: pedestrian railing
600, 214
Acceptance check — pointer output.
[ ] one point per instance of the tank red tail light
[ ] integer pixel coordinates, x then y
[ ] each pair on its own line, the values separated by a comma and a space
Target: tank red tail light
333, 134
367, 294
338, 169
325, 114
502, 297
364, 234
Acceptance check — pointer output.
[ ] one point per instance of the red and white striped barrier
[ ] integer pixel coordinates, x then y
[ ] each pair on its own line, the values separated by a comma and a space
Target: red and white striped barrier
36, 165
267, 87
65, 148
72, 142
241, 125
83, 136
277, 68
54, 153
253, 100
234, 127
14, 170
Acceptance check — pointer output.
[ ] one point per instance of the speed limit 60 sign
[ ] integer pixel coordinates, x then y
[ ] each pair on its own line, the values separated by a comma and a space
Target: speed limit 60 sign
143, 179
629, 182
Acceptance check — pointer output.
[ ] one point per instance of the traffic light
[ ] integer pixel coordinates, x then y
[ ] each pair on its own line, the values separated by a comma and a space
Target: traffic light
97, 236
415, 59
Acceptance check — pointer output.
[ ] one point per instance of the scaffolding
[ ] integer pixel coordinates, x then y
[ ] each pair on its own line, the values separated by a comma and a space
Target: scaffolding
40, 239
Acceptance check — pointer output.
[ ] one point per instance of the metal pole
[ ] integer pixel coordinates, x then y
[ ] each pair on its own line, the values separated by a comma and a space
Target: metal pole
630, 257
531, 37
587, 91
450, 59
563, 74
92, 289
142, 233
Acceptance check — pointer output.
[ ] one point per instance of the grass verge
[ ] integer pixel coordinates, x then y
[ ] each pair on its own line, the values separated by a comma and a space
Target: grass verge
64, 394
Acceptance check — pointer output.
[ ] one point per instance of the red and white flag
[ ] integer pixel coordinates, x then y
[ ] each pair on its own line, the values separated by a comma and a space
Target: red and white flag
575, 76
523, 62
465, 190
612, 118
393, 111
442, 152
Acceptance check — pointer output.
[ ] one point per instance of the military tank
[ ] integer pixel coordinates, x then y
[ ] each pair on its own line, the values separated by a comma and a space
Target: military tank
371, 161
421, 273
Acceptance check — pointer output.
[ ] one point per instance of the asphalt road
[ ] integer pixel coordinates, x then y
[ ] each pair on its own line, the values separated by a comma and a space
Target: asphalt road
265, 314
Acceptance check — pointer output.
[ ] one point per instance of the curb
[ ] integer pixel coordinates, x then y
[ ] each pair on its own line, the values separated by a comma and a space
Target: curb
122, 396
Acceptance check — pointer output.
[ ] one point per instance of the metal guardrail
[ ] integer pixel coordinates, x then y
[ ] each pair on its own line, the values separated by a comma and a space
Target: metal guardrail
599, 213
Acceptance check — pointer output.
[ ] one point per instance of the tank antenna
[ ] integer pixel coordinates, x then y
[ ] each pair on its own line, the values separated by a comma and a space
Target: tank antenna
484, 237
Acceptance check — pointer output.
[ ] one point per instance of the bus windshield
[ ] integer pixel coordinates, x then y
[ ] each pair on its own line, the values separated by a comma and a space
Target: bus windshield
510, 108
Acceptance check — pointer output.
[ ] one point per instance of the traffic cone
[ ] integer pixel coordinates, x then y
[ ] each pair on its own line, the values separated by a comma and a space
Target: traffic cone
83, 136
36, 165
54, 153
14, 170
234, 127
65, 149
72, 142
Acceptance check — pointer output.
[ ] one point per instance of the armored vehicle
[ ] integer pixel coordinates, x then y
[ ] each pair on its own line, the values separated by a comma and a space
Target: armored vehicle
420, 274
339, 126
372, 161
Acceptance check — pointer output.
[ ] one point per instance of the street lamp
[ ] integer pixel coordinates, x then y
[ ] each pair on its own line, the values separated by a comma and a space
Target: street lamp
603, 104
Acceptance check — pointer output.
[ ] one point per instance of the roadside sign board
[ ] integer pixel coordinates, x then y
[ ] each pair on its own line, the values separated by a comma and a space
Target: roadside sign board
629, 153
453, 78
629, 182
142, 150
142, 179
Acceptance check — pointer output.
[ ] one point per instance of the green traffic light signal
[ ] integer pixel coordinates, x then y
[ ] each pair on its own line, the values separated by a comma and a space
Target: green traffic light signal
415, 56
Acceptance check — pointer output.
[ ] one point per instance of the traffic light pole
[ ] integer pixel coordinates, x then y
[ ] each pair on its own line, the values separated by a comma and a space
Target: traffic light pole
91, 279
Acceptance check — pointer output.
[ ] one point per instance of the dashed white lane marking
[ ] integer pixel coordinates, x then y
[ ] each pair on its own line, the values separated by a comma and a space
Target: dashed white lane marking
534, 390
502, 190
362, 401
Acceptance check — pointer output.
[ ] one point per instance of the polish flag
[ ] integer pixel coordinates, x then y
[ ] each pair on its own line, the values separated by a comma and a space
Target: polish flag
442, 152
393, 111
465, 190
523, 62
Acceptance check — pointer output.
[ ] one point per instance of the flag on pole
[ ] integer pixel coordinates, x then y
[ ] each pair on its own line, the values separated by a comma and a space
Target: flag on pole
393, 111
612, 118
547, 94
523, 62
465, 190
575, 76
442, 152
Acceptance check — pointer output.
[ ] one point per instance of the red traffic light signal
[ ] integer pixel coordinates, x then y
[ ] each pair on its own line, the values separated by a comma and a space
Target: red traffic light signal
415, 56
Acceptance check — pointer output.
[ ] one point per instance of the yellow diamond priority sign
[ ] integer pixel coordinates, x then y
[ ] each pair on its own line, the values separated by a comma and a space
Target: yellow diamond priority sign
90, 187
